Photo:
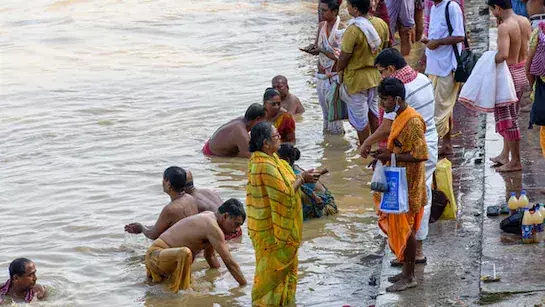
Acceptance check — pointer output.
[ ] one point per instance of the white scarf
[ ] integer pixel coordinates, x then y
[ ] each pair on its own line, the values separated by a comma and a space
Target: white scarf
371, 34
330, 44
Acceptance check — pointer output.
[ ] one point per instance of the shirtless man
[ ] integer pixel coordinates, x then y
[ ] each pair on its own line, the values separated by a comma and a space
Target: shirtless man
170, 256
22, 286
513, 35
289, 101
181, 205
231, 139
207, 200
536, 11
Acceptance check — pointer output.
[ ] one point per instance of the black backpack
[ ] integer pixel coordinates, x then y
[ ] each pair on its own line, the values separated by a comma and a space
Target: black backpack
467, 60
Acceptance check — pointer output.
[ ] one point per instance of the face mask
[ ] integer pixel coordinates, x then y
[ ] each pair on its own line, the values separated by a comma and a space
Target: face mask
396, 108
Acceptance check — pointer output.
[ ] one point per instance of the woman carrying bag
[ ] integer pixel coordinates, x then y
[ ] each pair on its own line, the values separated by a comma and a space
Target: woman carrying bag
408, 145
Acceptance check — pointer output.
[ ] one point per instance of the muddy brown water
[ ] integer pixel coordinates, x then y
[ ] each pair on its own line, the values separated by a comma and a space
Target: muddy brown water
97, 98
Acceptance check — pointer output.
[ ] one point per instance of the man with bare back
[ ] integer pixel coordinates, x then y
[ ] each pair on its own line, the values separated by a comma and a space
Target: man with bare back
231, 139
289, 101
207, 200
181, 205
513, 36
536, 11
171, 255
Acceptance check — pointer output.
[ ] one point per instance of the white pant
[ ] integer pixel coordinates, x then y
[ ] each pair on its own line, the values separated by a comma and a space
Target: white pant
323, 86
359, 105
422, 232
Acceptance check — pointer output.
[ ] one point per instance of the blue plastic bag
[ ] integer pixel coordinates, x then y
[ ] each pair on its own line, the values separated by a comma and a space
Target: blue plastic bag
396, 200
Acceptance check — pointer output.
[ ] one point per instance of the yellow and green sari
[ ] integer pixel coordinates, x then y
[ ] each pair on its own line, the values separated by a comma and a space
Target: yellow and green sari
275, 224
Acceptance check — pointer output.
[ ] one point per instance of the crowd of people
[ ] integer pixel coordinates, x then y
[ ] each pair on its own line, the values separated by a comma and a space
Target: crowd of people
401, 112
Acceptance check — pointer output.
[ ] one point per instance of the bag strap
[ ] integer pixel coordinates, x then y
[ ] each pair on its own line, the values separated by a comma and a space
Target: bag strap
450, 31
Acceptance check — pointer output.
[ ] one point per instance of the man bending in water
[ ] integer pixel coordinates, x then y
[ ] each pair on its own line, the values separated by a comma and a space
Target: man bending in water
170, 256
231, 139
289, 101
181, 205
21, 285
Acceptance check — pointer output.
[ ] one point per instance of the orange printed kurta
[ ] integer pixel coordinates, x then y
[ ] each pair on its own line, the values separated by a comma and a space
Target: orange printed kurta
407, 136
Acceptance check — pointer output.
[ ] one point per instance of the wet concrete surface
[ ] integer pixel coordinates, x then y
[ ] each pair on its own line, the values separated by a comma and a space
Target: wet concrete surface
460, 252
453, 249
516, 263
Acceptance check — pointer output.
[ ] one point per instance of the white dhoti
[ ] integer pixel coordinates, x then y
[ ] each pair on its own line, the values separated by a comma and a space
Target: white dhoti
359, 105
323, 86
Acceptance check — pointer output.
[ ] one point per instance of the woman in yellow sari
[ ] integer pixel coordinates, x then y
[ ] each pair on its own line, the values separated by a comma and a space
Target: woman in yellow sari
407, 142
278, 116
275, 218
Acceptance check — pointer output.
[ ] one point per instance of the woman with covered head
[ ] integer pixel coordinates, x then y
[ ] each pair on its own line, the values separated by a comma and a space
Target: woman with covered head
407, 144
316, 199
275, 218
280, 117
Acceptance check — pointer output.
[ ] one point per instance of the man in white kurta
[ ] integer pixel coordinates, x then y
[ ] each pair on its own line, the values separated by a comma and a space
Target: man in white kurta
419, 95
441, 64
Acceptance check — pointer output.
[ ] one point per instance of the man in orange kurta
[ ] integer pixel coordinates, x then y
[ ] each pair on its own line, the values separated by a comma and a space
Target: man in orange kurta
407, 142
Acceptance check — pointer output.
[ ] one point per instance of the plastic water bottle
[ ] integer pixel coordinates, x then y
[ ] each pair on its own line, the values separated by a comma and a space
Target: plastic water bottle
537, 219
527, 227
513, 203
523, 201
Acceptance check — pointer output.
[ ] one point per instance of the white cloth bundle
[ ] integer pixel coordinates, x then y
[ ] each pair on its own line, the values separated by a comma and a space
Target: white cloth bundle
489, 85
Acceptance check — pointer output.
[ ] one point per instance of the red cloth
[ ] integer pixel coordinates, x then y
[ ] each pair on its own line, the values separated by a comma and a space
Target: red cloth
506, 117
234, 236
206, 149
406, 74
382, 12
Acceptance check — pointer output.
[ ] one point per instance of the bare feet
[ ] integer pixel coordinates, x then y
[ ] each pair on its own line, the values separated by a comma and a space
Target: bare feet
500, 160
510, 167
402, 285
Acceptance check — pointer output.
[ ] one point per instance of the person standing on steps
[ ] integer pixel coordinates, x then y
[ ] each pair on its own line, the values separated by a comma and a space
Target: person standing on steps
363, 39
441, 64
513, 36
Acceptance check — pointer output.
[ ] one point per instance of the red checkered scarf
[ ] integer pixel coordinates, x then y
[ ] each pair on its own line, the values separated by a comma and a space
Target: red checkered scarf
406, 74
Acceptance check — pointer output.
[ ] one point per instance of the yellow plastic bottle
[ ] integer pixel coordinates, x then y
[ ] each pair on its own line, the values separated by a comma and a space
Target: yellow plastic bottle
512, 203
523, 201
527, 227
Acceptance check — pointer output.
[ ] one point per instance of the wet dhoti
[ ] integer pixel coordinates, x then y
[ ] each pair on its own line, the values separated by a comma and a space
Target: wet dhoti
174, 264
506, 117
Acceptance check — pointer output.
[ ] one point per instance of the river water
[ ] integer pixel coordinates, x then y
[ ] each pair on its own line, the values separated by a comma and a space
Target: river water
97, 98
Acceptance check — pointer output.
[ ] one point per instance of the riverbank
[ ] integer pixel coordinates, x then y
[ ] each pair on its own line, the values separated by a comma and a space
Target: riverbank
460, 252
